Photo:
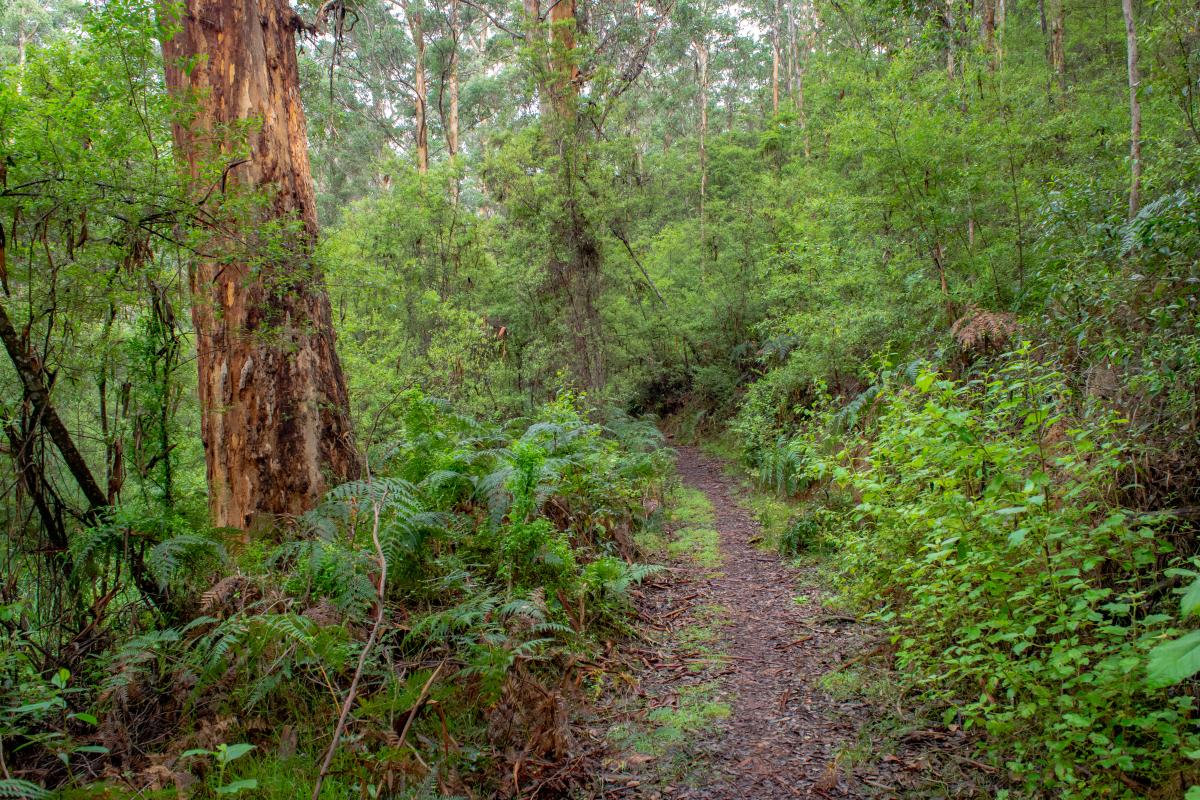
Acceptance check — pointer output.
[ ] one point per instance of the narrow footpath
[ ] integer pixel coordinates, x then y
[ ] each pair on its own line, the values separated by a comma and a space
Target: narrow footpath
732, 676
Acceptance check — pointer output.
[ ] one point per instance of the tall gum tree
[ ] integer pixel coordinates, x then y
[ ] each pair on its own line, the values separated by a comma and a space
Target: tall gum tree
274, 409
578, 265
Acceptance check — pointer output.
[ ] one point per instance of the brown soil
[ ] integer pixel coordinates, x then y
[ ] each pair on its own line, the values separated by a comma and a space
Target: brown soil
783, 734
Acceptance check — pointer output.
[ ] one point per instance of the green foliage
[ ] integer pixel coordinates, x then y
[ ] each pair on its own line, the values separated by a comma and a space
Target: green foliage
502, 556
223, 756
918, 198
1176, 660
1019, 596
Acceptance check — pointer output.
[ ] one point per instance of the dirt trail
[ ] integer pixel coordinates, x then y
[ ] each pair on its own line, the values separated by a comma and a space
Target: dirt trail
782, 733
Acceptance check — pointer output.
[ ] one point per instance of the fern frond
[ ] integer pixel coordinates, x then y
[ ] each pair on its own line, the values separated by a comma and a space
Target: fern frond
23, 790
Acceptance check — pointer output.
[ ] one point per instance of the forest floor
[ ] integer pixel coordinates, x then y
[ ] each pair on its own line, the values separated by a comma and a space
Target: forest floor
738, 689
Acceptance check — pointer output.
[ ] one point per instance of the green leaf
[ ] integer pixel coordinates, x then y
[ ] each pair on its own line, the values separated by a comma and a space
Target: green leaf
1174, 661
1191, 598
29, 708
232, 752
237, 786
88, 718
199, 751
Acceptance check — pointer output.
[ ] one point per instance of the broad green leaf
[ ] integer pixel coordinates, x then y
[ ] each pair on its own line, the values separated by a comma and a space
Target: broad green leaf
1191, 598
199, 751
238, 786
232, 752
1174, 661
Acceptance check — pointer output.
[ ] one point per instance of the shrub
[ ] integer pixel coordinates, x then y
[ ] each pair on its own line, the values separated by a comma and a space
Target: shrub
1018, 594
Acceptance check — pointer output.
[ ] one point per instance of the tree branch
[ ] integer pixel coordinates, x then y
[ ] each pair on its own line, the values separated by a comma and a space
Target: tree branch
44, 411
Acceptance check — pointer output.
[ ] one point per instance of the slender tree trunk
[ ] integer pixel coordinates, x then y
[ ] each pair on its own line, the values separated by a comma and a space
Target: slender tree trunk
421, 88
534, 39
1135, 110
24, 37
1001, 16
1058, 54
988, 27
456, 34
775, 60
565, 71
37, 394
804, 46
701, 47
274, 412
951, 34
579, 269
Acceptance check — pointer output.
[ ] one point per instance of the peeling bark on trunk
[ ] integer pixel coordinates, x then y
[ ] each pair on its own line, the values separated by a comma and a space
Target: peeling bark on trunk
274, 410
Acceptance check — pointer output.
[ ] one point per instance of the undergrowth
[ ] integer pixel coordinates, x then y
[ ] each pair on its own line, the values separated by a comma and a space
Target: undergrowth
979, 522
508, 551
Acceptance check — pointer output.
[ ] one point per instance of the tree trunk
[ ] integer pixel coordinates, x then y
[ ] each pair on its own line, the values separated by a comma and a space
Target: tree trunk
988, 26
1135, 110
775, 60
421, 88
804, 46
950, 22
701, 46
452, 126
565, 71
24, 39
274, 411
1058, 54
792, 52
37, 394
535, 42
579, 271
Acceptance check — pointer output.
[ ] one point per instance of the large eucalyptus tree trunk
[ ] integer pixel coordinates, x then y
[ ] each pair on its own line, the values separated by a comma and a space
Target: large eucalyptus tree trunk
274, 410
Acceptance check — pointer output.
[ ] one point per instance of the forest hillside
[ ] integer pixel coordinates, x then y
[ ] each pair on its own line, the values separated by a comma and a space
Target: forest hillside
647, 398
